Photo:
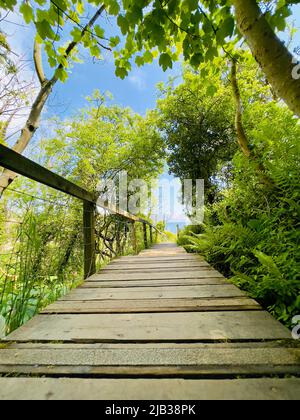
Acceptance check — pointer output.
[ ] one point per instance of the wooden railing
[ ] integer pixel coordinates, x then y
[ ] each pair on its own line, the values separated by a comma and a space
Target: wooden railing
21, 165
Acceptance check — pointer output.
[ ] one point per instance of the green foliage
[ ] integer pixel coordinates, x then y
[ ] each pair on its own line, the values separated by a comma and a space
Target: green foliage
101, 141
198, 128
252, 232
200, 31
187, 234
37, 263
41, 241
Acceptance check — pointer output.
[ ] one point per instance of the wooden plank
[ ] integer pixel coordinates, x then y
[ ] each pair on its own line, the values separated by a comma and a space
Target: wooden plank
262, 345
155, 283
205, 291
156, 266
152, 276
197, 326
157, 361
159, 263
142, 270
148, 389
143, 258
152, 305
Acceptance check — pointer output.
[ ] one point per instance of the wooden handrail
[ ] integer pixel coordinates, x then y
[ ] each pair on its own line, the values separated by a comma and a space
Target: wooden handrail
13, 161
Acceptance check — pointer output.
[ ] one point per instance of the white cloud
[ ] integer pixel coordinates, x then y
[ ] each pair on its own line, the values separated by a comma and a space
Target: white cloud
138, 79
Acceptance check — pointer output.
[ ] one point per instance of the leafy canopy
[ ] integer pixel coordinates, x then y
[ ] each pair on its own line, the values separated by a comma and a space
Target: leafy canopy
198, 30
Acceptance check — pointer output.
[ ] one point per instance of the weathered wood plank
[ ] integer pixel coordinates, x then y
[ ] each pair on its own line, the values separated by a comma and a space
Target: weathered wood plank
205, 291
142, 271
198, 326
152, 305
270, 344
158, 266
148, 389
152, 276
155, 361
132, 356
143, 258
155, 283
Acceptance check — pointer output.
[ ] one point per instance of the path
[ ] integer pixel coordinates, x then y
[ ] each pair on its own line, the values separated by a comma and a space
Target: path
160, 325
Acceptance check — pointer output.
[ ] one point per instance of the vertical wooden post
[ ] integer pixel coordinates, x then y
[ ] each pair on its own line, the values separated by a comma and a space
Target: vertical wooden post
89, 239
118, 239
151, 235
133, 238
145, 235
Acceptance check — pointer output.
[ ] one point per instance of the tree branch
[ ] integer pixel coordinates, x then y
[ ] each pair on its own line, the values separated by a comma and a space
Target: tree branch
38, 63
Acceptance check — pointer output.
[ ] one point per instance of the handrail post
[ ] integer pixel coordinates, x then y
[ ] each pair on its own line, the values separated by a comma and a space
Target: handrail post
151, 235
145, 235
89, 239
118, 240
133, 236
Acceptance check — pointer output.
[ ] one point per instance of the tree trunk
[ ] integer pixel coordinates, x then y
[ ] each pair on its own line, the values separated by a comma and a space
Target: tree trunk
242, 137
272, 55
241, 134
31, 125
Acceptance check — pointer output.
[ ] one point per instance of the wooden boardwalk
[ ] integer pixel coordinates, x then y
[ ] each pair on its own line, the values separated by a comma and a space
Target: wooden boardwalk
160, 325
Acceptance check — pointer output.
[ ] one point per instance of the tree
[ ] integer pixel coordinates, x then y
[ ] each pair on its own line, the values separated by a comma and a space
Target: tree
60, 62
104, 140
197, 122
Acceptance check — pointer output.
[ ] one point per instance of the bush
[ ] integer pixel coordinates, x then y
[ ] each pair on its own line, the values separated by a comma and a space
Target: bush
251, 234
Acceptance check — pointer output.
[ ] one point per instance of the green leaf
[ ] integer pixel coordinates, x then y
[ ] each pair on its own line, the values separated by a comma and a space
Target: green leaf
211, 90
52, 62
165, 61
134, 15
121, 72
123, 24
113, 8
139, 61
280, 4
27, 12
114, 41
99, 31
61, 74
76, 34
268, 262
148, 57
226, 29
80, 7
196, 60
44, 30
95, 51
